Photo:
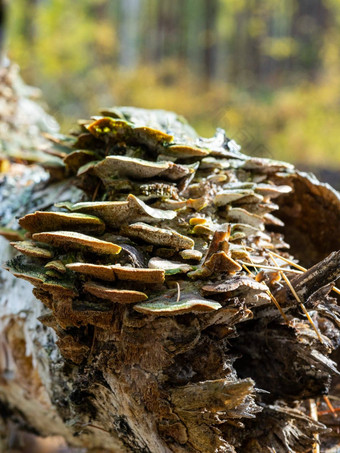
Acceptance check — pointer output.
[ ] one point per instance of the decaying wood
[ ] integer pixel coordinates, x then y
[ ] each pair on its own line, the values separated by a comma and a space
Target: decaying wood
151, 336
305, 211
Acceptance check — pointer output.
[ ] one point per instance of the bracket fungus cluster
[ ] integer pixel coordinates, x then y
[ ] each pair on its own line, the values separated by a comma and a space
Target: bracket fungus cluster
171, 276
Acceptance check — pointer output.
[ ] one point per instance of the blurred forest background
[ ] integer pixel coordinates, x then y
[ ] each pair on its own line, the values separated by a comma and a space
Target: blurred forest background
268, 71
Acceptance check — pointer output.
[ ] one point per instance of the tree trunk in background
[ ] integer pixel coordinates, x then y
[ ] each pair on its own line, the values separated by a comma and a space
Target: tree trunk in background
210, 39
2, 29
129, 33
310, 20
29, 24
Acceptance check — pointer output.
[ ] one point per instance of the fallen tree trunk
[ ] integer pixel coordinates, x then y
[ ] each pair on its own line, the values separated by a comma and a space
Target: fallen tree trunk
210, 364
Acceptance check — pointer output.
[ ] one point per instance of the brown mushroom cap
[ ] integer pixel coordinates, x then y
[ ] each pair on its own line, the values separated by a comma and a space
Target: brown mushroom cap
94, 270
186, 151
51, 221
272, 191
34, 280
70, 239
191, 254
139, 274
29, 248
232, 284
270, 219
78, 158
117, 213
221, 262
111, 212
139, 169
59, 289
150, 136
116, 130
228, 196
242, 216
113, 272
11, 235
164, 307
263, 165
170, 267
56, 265
121, 296
158, 236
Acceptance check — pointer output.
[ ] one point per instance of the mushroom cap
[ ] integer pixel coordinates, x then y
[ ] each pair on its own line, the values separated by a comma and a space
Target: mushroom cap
140, 169
113, 272
191, 254
56, 265
98, 271
189, 304
186, 151
269, 190
30, 248
139, 274
264, 165
117, 130
121, 296
221, 262
158, 236
242, 216
197, 221
232, 284
73, 240
228, 196
38, 276
117, 213
50, 221
170, 267
79, 158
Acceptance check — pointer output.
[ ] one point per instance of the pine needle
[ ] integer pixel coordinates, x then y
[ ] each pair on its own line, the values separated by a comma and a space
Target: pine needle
248, 270
277, 305
335, 410
92, 344
286, 279
330, 406
274, 268
301, 268
95, 193
178, 292
314, 416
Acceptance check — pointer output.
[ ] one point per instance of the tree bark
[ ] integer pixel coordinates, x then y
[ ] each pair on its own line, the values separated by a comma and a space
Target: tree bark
110, 378
89, 405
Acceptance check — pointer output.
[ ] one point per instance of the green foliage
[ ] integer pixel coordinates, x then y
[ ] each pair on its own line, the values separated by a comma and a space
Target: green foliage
267, 71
